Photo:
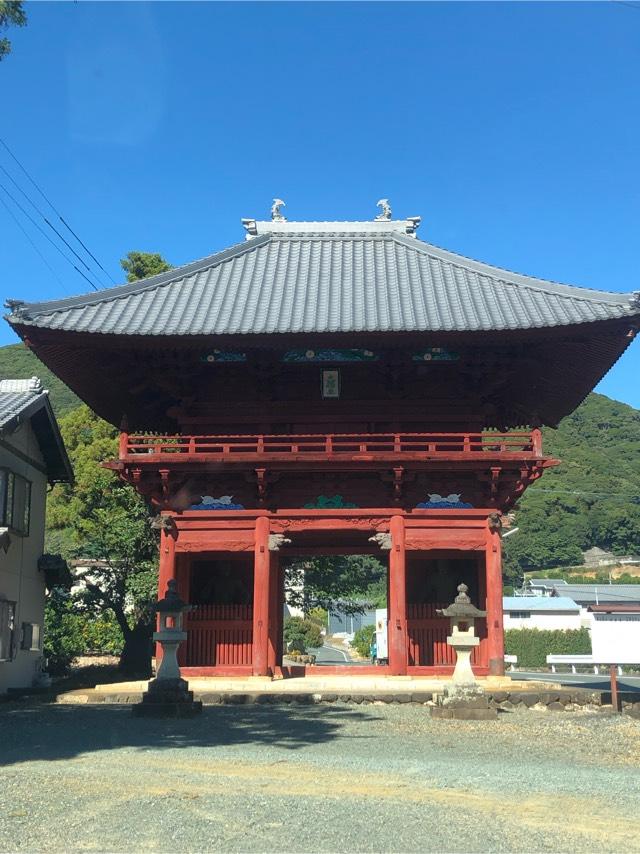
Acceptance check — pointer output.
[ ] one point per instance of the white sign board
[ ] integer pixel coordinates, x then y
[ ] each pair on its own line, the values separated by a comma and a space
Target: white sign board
381, 633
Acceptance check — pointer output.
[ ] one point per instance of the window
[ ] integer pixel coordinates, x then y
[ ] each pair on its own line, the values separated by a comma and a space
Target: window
30, 637
7, 623
15, 501
520, 615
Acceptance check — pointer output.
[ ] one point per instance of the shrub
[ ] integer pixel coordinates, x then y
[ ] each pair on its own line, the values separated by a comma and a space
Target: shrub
101, 634
63, 639
362, 640
300, 634
532, 646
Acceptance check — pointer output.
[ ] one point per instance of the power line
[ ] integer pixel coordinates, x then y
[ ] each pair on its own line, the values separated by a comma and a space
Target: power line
53, 207
52, 227
44, 233
28, 236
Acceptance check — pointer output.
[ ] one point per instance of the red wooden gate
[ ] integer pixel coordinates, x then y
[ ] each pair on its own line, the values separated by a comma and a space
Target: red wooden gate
219, 635
427, 633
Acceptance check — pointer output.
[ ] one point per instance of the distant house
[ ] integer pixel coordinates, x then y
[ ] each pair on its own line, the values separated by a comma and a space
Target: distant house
542, 586
600, 594
32, 454
596, 557
541, 612
342, 623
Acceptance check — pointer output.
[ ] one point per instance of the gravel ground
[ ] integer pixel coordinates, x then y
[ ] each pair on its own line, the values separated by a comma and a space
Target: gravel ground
316, 778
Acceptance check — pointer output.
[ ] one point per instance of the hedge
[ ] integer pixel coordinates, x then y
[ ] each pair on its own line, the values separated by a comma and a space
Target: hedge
362, 640
532, 646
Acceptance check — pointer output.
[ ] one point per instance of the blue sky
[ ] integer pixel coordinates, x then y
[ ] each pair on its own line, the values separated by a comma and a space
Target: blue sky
512, 129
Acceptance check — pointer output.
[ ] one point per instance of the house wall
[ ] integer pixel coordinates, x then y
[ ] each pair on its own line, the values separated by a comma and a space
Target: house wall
544, 620
20, 579
615, 638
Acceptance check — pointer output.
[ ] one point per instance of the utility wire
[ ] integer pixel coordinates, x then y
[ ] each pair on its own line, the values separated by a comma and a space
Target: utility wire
52, 227
28, 236
43, 232
53, 207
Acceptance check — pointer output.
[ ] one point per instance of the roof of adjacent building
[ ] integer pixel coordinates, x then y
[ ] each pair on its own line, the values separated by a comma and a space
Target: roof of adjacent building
26, 400
539, 603
615, 608
297, 277
596, 594
544, 583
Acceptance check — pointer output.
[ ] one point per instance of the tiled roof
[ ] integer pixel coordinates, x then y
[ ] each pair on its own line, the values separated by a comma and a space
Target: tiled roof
601, 593
539, 603
19, 398
294, 280
25, 399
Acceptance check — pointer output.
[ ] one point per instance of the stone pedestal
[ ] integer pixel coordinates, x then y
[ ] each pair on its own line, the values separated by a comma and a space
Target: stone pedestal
167, 698
462, 703
168, 695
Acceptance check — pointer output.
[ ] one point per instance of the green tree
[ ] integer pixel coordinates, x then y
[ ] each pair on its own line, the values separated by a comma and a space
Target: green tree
11, 14
63, 639
301, 634
325, 581
104, 521
141, 265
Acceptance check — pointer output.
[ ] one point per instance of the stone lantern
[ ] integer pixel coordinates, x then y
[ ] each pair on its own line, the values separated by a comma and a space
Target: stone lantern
462, 615
168, 694
463, 699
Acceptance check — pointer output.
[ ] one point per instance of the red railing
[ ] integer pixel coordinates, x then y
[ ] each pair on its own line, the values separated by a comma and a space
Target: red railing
334, 444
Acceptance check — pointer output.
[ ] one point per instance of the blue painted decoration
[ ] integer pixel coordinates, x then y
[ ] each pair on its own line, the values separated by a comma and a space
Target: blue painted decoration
329, 356
223, 356
224, 502
435, 354
444, 502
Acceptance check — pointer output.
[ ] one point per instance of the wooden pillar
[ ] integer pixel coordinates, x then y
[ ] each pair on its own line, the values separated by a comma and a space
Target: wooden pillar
166, 571
397, 624
275, 609
495, 632
262, 560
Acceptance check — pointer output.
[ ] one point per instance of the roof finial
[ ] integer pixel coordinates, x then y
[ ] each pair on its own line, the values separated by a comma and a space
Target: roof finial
276, 215
385, 213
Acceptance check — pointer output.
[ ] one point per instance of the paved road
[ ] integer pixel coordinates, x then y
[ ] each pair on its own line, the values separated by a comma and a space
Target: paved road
597, 683
328, 655
332, 777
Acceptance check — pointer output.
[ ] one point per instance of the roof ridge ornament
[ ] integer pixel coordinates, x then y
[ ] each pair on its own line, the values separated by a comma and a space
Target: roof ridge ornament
276, 214
20, 386
385, 213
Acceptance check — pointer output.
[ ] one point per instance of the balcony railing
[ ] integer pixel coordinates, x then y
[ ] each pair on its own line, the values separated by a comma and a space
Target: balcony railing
331, 446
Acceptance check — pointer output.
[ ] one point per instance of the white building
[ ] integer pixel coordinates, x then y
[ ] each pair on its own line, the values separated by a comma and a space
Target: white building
32, 454
541, 612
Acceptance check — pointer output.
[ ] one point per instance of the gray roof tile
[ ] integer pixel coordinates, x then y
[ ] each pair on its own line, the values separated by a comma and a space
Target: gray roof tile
347, 281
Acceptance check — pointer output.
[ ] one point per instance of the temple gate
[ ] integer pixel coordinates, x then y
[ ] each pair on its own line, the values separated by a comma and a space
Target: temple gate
331, 388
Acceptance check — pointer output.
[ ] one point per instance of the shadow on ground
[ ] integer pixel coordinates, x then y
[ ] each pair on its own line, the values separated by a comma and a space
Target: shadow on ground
42, 732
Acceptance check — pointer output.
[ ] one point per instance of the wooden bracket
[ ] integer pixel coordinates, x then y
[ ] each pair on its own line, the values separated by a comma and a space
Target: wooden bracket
398, 475
164, 480
261, 479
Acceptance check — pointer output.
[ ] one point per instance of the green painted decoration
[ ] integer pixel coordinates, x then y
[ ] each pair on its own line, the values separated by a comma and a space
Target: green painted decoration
324, 502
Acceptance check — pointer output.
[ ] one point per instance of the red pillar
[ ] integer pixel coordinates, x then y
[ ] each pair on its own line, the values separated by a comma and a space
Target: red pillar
495, 633
261, 603
275, 610
166, 571
397, 624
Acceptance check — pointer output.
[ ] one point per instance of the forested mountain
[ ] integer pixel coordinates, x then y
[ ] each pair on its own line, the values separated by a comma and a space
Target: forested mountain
18, 363
592, 499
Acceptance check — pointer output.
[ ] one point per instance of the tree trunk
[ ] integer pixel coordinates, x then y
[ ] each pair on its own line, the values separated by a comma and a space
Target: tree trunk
135, 659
